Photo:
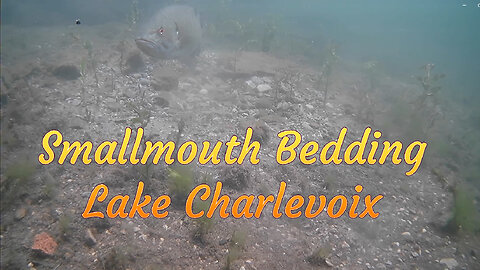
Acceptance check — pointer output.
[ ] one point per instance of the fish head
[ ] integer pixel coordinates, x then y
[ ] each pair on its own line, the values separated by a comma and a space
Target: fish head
162, 42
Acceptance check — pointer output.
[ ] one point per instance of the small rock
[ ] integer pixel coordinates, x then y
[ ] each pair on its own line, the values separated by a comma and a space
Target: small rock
90, 238
20, 213
451, 263
309, 106
256, 80
407, 236
263, 87
144, 81
251, 84
283, 106
67, 72
44, 243
129, 93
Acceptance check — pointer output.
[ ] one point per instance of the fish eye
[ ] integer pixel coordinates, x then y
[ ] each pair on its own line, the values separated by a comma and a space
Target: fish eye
160, 31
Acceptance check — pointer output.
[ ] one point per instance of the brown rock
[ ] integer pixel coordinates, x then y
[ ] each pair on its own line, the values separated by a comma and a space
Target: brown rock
20, 213
45, 243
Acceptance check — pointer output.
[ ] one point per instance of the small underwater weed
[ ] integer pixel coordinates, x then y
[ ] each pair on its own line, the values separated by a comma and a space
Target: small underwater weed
319, 256
180, 183
466, 218
203, 224
428, 102
133, 16
22, 171
116, 259
288, 82
142, 116
327, 69
17, 178
371, 68
65, 226
49, 189
235, 248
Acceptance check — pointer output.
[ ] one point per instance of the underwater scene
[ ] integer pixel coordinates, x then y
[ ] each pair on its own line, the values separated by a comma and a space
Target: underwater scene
240, 134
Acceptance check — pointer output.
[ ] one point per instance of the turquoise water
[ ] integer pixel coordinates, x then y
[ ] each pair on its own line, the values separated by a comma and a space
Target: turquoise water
401, 35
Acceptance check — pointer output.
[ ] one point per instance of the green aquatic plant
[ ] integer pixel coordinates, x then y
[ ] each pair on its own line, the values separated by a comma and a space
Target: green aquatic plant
65, 226
142, 115
203, 224
180, 183
371, 69
319, 256
466, 218
428, 82
88, 46
288, 81
133, 16
22, 171
235, 247
17, 179
327, 69
116, 259
49, 189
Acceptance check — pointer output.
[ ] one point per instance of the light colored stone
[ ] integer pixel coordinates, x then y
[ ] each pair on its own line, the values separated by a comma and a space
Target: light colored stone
264, 87
20, 213
251, 84
451, 263
256, 80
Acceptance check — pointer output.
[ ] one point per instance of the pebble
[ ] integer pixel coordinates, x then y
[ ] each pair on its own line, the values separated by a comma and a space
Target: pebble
309, 106
256, 80
263, 87
90, 238
283, 106
407, 236
144, 81
76, 102
129, 93
204, 91
451, 263
20, 213
251, 84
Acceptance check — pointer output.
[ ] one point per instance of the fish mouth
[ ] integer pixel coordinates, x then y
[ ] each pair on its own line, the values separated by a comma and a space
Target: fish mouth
154, 49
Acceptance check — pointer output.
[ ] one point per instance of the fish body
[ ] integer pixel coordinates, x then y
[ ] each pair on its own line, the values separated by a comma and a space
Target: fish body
173, 33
